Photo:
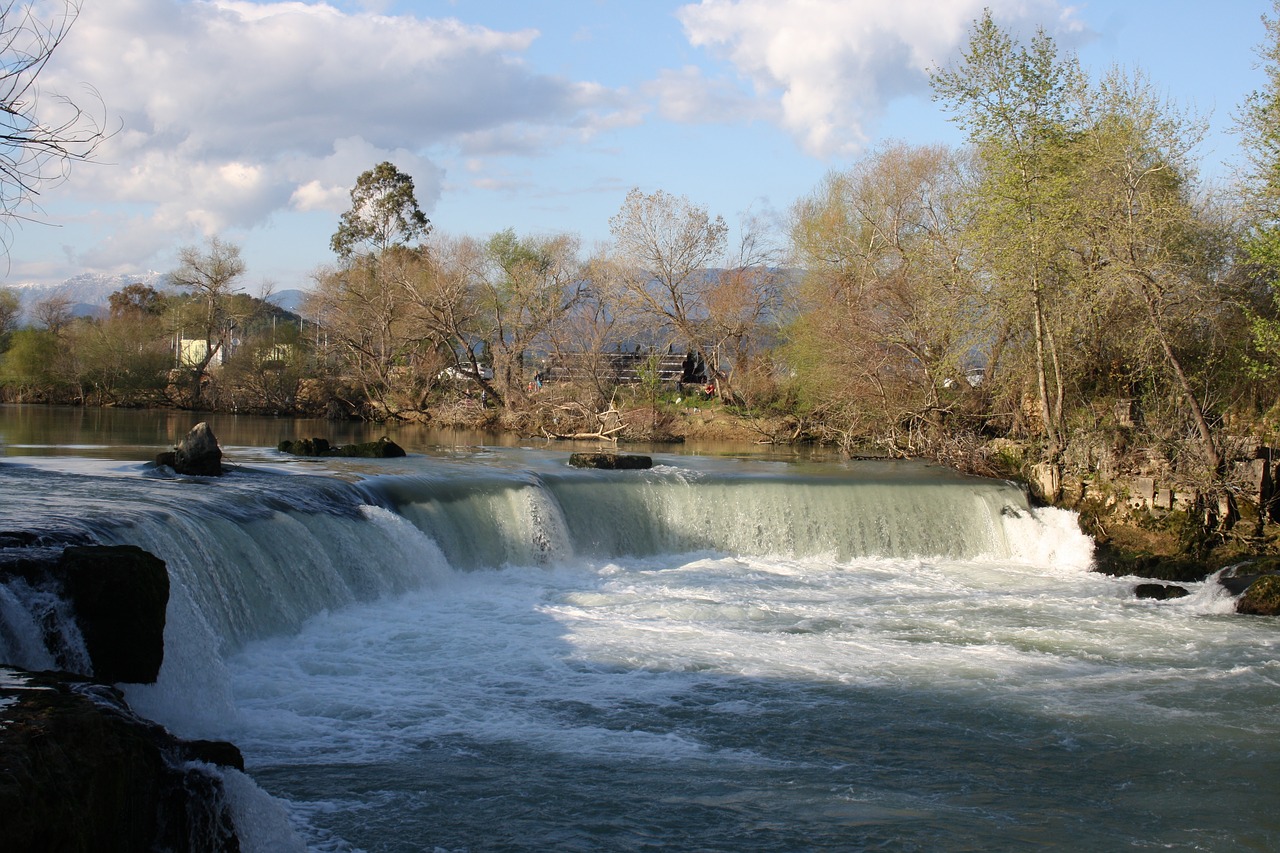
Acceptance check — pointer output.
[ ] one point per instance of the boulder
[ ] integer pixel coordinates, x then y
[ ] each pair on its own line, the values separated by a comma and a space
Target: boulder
83, 772
1160, 591
198, 454
1261, 598
117, 595
383, 448
610, 461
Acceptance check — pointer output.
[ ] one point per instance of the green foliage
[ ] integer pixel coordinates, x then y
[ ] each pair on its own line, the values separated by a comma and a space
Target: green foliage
10, 310
28, 364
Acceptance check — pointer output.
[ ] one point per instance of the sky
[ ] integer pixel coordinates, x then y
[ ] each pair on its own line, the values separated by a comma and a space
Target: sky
250, 120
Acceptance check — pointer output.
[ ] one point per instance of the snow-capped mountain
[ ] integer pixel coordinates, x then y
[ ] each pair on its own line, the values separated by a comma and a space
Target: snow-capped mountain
87, 292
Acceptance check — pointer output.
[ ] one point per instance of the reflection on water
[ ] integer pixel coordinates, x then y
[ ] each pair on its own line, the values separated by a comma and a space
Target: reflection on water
141, 433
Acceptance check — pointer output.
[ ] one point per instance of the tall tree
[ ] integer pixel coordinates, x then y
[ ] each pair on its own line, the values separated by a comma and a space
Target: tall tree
10, 311
1258, 123
209, 275
886, 317
1149, 242
530, 288
666, 251
1019, 106
384, 213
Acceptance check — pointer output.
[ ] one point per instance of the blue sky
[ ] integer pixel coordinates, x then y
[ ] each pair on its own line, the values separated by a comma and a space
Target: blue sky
250, 120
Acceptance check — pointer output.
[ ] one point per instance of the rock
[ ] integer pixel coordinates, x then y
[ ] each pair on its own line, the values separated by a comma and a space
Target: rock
1159, 591
197, 455
610, 461
117, 594
1261, 598
83, 772
383, 448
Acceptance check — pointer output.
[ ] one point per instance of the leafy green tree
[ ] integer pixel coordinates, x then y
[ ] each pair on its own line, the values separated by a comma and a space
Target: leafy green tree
135, 300
529, 290
1156, 256
1258, 123
28, 368
10, 311
384, 213
1020, 107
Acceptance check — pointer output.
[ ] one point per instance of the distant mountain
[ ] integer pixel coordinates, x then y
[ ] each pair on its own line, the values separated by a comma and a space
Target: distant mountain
289, 300
87, 292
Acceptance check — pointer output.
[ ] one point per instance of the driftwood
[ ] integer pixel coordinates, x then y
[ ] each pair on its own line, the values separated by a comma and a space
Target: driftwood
610, 421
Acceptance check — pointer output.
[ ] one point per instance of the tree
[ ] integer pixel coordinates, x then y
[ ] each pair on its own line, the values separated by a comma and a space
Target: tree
10, 311
1259, 126
36, 150
384, 213
530, 288
1019, 106
887, 316
370, 311
666, 248
135, 300
209, 276
28, 367
53, 312
1149, 244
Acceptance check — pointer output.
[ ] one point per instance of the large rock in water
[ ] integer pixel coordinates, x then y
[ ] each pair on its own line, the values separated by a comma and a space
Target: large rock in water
79, 771
118, 595
610, 461
1261, 598
198, 454
383, 448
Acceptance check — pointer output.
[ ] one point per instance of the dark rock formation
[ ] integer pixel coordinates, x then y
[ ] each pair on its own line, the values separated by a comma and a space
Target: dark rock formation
82, 772
1261, 598
1118, 562
1159, 591
383, 448
198, 454
118, 594
610, 461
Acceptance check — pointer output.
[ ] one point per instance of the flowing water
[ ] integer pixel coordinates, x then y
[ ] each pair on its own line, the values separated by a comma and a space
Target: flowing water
479, 648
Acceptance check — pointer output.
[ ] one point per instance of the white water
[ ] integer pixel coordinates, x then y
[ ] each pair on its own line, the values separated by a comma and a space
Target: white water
503, 654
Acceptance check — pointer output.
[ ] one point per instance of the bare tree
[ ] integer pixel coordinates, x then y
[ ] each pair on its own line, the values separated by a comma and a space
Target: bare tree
666, 249
53, 312
209, 276
38, 141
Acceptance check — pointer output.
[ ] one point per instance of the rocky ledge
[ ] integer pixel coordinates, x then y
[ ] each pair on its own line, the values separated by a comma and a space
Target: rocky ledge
81, 771
611, 461
383, 448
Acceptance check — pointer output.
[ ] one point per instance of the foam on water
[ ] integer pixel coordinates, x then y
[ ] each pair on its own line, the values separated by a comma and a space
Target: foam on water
707, 659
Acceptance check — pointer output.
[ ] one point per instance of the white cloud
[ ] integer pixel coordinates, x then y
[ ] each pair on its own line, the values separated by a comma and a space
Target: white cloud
688, 96
832, 65
235, 110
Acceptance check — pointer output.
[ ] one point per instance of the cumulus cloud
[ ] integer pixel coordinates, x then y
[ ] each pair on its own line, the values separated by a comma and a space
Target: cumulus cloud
831, 66
235, 110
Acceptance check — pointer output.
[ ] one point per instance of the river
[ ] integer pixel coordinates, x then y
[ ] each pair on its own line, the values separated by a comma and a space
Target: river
477, 647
